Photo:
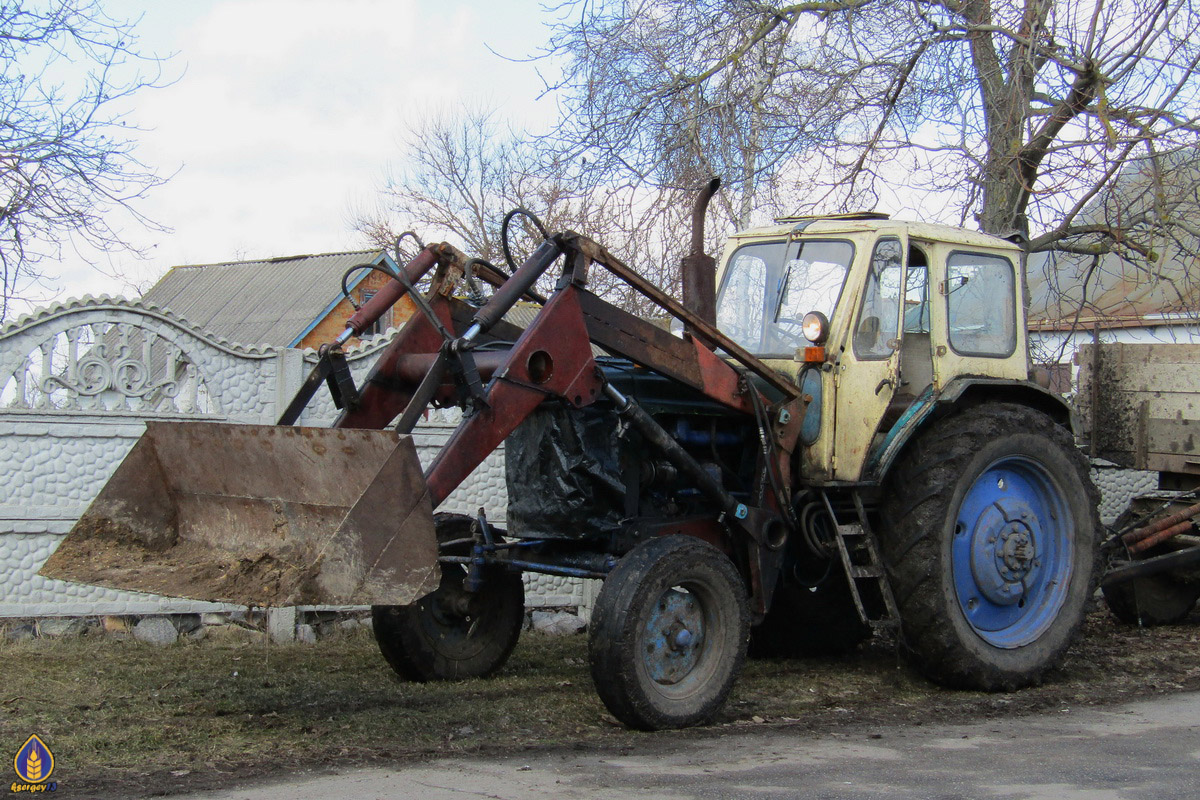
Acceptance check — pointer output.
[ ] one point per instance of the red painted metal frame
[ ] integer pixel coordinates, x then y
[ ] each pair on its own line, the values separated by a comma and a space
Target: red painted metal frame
560, 336
552, 359
383, 397
392, 291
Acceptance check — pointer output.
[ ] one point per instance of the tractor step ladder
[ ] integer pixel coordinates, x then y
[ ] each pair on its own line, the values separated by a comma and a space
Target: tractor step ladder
859, 554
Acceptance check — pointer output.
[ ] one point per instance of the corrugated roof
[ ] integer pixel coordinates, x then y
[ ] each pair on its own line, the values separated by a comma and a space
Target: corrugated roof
1068, 290
258, 302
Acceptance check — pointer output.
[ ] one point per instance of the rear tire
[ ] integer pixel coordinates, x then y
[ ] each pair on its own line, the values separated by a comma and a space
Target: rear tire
452, 634
991, 545
668, 634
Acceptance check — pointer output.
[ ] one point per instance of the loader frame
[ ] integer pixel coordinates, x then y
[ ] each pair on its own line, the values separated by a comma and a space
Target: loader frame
440, 358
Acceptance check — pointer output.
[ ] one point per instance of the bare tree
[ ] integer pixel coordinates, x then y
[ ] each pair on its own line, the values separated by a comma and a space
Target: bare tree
462, 171
1019, 114
646, 98
66, 160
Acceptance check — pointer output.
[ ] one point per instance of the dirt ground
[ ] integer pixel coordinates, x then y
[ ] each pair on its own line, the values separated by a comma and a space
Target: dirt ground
126, 719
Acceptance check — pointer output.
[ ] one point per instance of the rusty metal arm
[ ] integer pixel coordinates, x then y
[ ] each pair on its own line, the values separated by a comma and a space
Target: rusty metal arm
384, 395
552, 359
513, 289
645, 343
416, 368
393, 290
557, 344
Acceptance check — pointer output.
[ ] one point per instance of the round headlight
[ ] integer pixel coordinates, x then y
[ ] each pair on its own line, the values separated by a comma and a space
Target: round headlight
816, 327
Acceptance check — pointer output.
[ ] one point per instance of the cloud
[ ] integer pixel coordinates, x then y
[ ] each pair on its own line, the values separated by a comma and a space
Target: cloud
287, 111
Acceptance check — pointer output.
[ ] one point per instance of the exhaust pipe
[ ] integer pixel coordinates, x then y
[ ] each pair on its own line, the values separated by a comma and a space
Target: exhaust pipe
699, 271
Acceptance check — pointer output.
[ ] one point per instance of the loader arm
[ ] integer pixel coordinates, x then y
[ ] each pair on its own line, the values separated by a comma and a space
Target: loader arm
271, 515
551, 359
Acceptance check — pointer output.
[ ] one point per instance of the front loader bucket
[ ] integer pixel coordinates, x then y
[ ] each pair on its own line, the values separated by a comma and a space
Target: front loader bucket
260, 515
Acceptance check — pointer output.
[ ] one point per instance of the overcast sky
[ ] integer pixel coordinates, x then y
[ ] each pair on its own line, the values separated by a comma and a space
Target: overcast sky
287, 112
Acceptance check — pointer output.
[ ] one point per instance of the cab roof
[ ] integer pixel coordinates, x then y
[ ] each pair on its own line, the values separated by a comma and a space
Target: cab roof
870, 222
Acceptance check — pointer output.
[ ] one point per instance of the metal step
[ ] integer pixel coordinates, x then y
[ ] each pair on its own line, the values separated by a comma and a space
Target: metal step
858, 538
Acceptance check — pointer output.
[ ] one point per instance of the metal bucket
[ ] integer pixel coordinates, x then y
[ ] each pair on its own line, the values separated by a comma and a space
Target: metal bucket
260, 515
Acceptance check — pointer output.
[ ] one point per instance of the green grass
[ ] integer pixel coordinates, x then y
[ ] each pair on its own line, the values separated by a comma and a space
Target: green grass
118, 710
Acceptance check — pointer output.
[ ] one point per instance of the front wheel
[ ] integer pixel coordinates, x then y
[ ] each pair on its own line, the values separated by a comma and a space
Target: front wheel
990, 538
668, 634
450, 633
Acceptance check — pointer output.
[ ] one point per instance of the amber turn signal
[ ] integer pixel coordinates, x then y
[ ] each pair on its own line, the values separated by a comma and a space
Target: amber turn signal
814, 355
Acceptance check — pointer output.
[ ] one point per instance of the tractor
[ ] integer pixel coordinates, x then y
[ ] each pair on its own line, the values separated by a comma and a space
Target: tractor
837, 430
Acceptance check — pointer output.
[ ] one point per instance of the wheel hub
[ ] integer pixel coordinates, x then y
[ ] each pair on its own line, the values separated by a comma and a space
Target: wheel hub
1004, 551
452, 613
676, 637
1012, 551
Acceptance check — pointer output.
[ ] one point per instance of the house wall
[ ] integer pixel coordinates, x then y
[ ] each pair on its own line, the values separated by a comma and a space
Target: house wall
335, 321
1060, 346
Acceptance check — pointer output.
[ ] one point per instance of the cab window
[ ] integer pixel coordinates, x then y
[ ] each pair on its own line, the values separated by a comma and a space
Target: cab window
740, 306
980, 305
878, 320
813, 281
768, 287
916, 292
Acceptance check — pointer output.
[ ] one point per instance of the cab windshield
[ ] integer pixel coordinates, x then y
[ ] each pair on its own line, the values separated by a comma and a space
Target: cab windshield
768, 287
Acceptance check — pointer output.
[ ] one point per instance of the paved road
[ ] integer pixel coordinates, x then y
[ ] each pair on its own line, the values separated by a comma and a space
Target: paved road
1144, 750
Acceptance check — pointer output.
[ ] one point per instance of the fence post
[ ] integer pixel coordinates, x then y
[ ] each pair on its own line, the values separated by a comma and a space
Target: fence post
281, 624
289, 375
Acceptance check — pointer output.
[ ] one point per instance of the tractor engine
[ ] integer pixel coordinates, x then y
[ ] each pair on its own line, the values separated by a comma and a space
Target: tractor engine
580, 473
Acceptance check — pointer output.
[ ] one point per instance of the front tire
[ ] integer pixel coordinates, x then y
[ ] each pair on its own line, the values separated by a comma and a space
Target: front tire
452, 634
990, 538
668, 634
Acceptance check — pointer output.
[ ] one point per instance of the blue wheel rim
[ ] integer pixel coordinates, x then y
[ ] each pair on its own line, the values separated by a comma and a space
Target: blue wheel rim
1012, 552
674, 638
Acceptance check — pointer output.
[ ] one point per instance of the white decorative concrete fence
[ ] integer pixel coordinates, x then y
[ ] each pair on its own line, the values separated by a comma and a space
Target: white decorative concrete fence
77, 382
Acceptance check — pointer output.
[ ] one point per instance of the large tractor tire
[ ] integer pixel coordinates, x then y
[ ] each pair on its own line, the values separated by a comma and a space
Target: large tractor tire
668, 634
809, 622
991, 543
450, 633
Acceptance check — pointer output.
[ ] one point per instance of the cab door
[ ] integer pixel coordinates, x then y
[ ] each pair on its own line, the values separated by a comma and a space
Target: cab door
868, 371
978, 327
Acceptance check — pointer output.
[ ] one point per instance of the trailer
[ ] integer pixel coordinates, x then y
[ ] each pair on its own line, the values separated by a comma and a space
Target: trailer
1140, 405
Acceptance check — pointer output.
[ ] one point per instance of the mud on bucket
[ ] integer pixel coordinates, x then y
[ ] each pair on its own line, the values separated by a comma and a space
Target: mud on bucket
260, 515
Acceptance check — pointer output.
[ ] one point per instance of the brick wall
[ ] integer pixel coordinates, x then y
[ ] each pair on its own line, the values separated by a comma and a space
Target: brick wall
335, 321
